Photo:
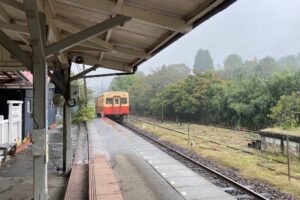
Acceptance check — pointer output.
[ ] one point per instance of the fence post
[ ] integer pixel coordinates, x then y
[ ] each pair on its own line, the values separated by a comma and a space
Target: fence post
189, 133
288, 157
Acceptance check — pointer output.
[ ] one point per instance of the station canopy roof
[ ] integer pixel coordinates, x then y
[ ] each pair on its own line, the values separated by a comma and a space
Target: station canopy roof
132, 30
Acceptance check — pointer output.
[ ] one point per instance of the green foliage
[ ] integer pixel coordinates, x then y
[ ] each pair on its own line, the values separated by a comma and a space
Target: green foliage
243, 94
233, 66
83, 114
286, 112
123, 83
203, 62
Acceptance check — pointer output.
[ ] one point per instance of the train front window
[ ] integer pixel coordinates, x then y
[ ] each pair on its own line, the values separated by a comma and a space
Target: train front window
116, 101
109, 100
123, 100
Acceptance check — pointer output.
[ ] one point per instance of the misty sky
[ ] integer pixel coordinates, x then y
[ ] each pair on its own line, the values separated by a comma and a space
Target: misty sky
250, 28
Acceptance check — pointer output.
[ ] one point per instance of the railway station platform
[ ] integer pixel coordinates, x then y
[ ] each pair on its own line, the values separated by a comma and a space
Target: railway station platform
140, 170
16, 174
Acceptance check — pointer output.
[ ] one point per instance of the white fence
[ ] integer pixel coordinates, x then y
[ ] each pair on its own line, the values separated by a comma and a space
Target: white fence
11, 128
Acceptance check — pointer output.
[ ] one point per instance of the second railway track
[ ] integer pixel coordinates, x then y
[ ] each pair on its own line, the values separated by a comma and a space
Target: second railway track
236, 189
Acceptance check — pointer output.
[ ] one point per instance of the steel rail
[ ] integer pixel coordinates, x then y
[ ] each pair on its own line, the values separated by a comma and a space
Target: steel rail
231, 181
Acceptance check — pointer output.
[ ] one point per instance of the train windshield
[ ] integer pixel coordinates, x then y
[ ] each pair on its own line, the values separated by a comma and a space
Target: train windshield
109, 100
123, 100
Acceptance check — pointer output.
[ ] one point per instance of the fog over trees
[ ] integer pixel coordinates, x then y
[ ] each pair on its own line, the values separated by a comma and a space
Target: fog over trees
243, 93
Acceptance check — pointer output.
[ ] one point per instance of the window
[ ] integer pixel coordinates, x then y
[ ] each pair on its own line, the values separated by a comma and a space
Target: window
123, 100
108, 100
116, 101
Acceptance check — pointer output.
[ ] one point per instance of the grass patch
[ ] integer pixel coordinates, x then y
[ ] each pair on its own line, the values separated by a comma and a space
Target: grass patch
263, 169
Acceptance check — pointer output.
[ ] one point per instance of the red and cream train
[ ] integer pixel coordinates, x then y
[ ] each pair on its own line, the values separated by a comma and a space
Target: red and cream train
113, 104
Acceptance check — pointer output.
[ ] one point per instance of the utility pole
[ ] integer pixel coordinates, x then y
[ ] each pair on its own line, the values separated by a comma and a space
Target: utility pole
85, 89
162, 108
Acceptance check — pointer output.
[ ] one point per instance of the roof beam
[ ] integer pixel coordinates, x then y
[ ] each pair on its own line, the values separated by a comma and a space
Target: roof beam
14, 27
81, 74
203, 9
102, 64
13, 4
150, 17
105, 75
85, 34
104, 45
50, 17
94, 62
15, 50
24, 38
109, 64
4, 15
72, 29
108, 34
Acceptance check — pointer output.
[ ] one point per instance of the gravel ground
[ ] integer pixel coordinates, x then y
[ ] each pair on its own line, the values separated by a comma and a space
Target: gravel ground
264, 189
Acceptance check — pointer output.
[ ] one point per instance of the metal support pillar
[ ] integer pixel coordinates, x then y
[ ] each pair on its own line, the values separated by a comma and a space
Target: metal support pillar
37, 27
67, 140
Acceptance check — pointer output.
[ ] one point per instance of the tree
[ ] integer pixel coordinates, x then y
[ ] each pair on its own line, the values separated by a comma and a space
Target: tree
248, 103
203, 62
123, 83
286, 112
233, 62
266, 67
289, 63
232, 66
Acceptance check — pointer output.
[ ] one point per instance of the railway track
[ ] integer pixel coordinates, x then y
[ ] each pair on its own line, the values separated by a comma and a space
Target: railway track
233, 184
214, 142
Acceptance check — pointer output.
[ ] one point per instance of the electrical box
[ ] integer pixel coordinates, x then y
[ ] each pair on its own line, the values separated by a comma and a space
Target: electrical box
74, 92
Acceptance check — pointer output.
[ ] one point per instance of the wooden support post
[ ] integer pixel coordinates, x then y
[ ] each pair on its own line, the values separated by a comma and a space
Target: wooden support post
67, 140
36, 22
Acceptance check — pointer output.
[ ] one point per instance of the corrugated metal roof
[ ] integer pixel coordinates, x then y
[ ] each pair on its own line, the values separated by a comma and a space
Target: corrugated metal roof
154, 24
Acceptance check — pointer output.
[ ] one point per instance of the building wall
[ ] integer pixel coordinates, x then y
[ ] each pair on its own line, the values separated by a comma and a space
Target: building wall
9, 94
25, 95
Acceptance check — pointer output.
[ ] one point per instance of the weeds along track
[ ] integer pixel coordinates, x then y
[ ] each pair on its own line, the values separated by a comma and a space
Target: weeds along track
195, 135
226, 183
227, 179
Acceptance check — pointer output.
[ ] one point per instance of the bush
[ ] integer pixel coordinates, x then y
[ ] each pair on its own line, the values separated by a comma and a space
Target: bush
83, 114
286, 112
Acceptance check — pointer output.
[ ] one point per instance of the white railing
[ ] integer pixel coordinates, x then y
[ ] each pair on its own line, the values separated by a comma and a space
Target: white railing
4, 133
11, 128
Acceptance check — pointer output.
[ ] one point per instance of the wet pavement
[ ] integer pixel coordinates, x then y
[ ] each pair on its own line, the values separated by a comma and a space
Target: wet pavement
136, 178
16, 174
144, 171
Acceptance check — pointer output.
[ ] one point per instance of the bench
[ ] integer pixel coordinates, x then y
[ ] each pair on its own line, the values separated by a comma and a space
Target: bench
7, 149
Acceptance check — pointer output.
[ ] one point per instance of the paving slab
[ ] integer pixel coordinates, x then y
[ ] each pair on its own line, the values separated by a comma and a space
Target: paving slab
143, 171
